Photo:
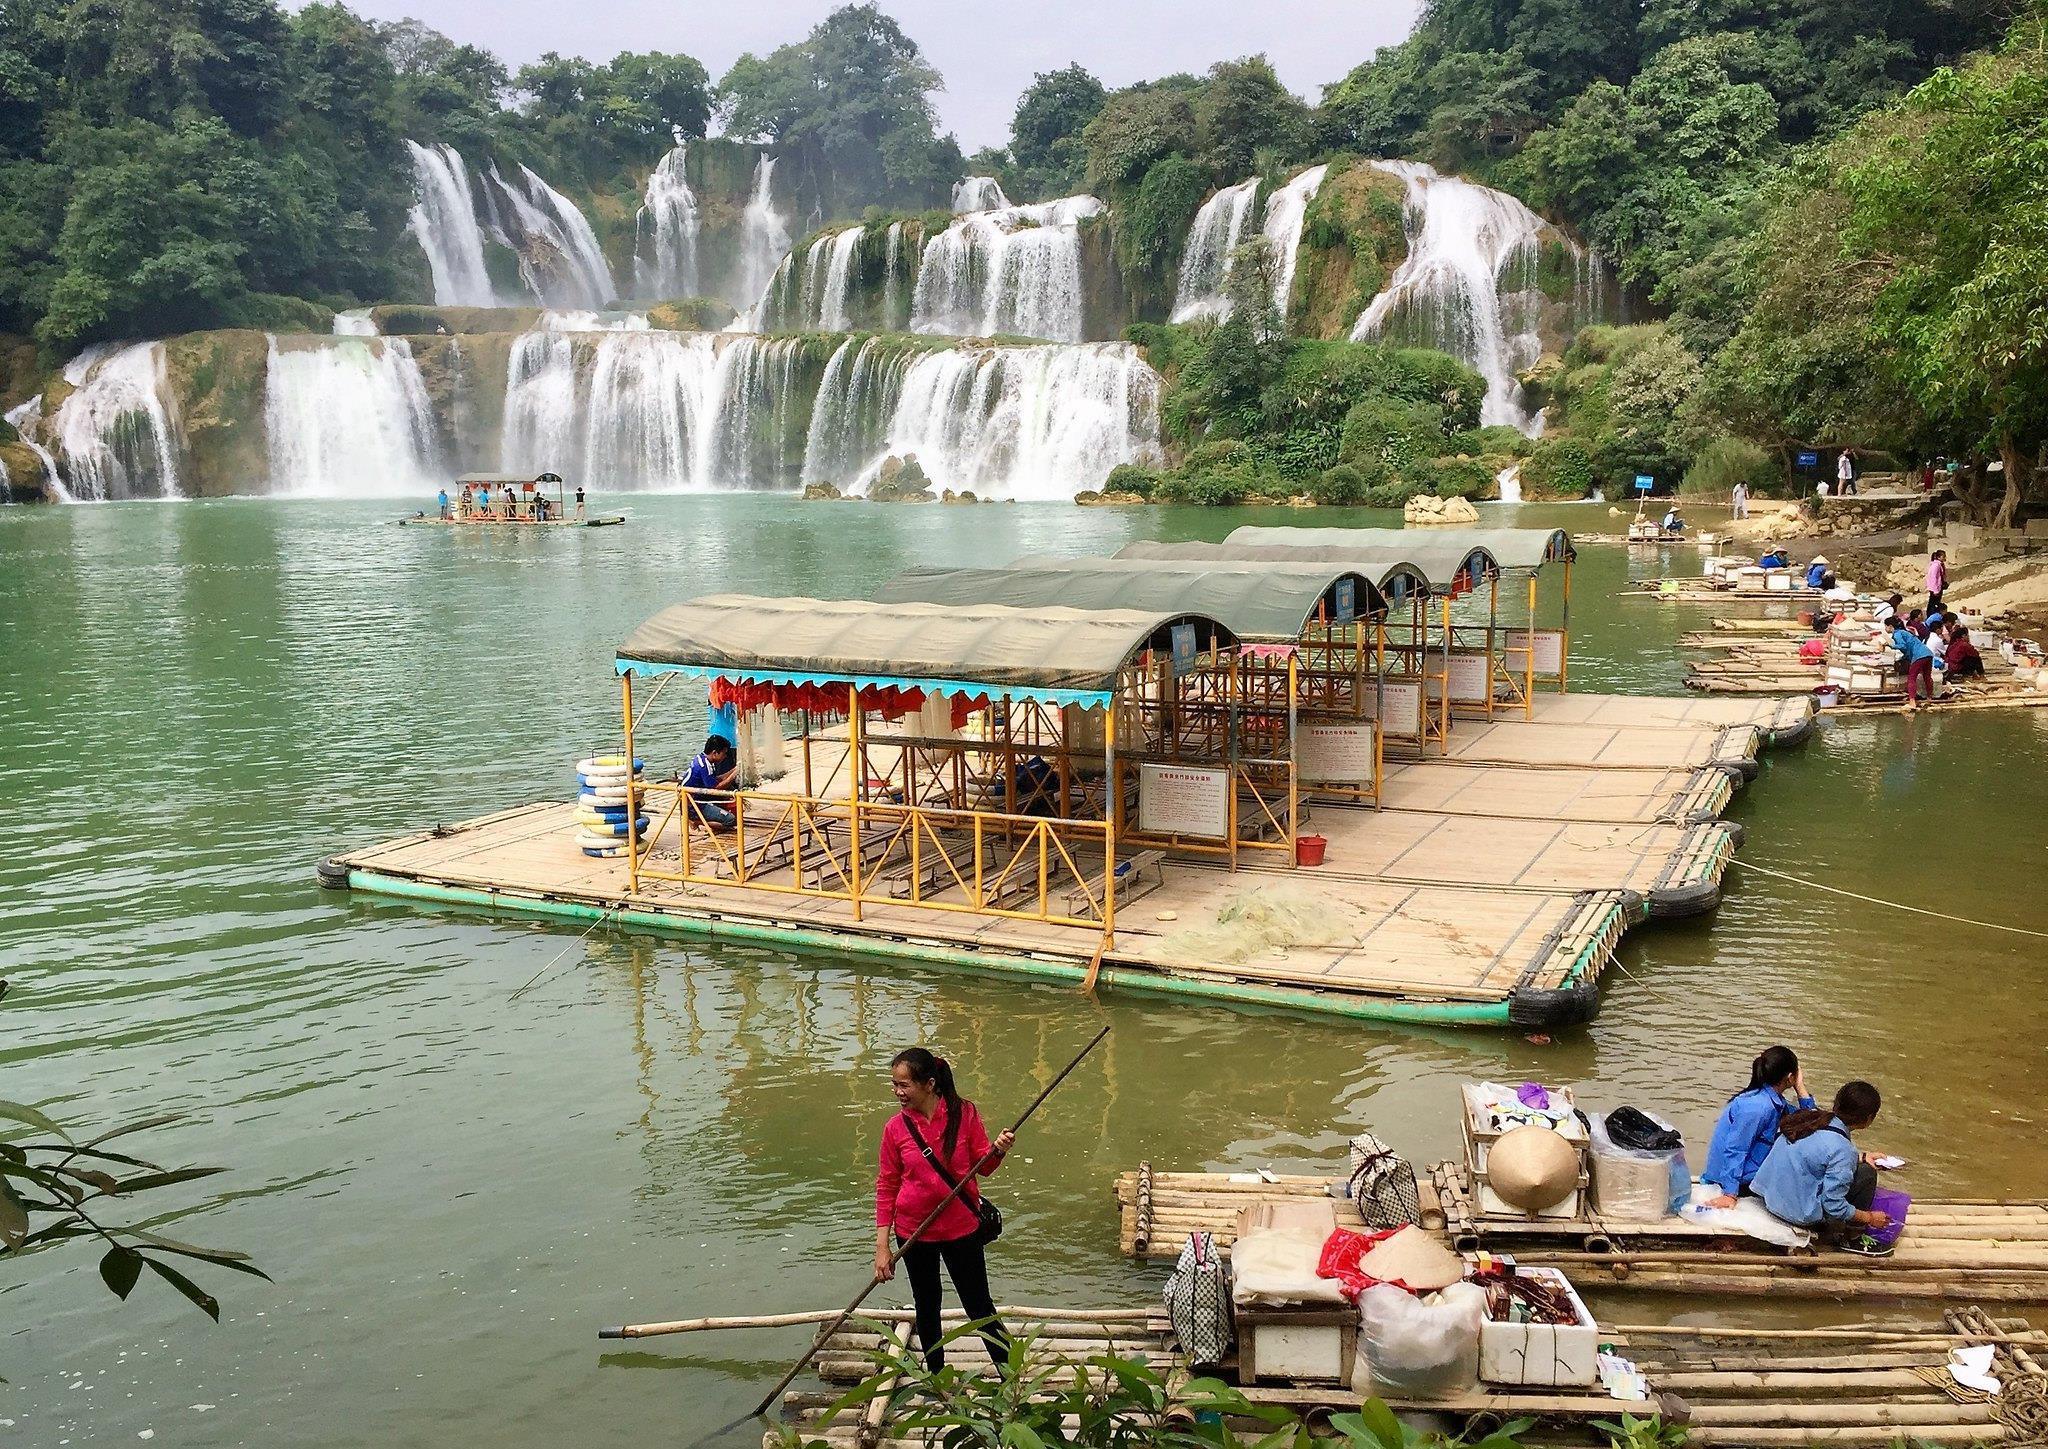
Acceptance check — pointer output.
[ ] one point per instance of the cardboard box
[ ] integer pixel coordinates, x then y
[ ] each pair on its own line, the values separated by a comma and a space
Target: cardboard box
1542, 1354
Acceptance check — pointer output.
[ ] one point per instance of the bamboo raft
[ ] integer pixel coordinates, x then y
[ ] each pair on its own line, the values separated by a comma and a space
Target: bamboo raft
1611, 747
1496, 792
1951, 1251
1860, 1385
1783, 723
605, 520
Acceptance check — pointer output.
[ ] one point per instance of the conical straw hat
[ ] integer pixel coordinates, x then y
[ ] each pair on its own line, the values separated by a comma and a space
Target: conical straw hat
1414, 1259
1531, 1168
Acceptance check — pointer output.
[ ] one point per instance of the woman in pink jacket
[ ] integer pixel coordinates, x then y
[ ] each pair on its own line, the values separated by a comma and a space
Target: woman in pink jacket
936, 1140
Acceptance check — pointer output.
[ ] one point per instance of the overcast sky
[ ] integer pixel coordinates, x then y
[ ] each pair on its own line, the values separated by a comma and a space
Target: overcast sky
987, 52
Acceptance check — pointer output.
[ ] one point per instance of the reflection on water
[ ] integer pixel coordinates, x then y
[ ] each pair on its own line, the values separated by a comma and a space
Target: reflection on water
454, 1187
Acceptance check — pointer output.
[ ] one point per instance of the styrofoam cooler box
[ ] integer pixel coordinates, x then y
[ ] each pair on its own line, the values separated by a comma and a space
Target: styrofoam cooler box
1750, 579
1778, 582
1542, 1353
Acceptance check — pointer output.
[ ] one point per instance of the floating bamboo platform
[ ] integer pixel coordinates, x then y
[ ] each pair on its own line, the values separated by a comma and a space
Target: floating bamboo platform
1952, 1251
1860, 1385
1390, 950
1783, 723
1607, 746
605, 520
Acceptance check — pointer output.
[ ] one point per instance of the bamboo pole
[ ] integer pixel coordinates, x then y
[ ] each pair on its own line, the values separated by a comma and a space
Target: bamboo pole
632, 801
858, 765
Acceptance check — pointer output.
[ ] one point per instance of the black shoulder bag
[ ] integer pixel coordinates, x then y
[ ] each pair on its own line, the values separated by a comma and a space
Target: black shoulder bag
991, 1216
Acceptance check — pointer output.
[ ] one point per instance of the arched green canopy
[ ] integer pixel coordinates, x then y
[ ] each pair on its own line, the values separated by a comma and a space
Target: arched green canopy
1398, 576
1513, 550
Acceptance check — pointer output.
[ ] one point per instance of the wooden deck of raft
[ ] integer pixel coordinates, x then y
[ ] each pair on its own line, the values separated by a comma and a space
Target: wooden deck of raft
1746, 664
1727, 1386
1952, 1251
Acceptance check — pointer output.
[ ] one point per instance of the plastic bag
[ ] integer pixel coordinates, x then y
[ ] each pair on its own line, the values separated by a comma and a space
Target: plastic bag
1419, 1348
1640, 1132
1631, 1182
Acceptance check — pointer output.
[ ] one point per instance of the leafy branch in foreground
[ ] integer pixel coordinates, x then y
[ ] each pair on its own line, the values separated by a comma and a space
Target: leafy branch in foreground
1040, 1398
55, 1191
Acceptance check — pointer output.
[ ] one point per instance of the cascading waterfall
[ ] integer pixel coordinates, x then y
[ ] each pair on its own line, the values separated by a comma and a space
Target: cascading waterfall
113, 437
892, 288
354, 323
665, 240
571, 320
1205, 258
444, 220
812, 292
978, 193
755, 432
559, 259
764, 240
835, 298
1285, 210
1466, 286
1027, 423
349, 418
1016, 270
26, 419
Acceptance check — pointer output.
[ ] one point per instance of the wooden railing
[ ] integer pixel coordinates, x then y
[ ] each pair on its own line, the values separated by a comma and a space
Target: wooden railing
871, 852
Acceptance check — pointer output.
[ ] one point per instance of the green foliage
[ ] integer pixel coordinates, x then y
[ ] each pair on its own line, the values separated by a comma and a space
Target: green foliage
1131, 478
1558, 467
1149, 229
55, 1189
1249, 121
589, 121
1394, 433
850, 107
1134, 130
1648, 1432
1498, 440
1046, 147
1344, 484
1724, 462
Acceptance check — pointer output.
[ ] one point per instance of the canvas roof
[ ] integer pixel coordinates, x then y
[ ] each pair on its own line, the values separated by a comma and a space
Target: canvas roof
1253, 601
1388, 571
1513, 550
1058, 655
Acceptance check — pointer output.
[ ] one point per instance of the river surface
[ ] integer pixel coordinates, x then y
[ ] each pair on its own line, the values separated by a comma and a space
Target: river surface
454, 1187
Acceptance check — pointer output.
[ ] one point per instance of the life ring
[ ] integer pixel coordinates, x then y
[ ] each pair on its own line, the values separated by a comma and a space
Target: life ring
608, 797
607, 767
606, 782
604, 852
594, 843
598, 825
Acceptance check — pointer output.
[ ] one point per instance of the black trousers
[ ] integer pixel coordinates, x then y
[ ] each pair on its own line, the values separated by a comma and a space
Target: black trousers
1863, 1187
967, 1266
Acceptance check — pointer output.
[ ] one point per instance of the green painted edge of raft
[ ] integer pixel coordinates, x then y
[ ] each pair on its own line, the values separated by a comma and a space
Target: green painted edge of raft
1426, 1013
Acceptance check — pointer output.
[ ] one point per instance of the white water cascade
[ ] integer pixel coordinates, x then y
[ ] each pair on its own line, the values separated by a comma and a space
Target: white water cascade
25, 419
444, 219
114, 436
1016, 270
1025, 423
666, 231
1205, 257
349, 418
978, 193
764, 239
559, 259
1466, 286
355, 323
812, 292
1509, 483
1285, 210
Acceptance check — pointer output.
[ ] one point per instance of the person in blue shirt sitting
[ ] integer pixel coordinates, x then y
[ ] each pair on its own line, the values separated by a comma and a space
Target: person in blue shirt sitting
716, 768
1774, 558
1817, 573
1814, 1176
1748, 1125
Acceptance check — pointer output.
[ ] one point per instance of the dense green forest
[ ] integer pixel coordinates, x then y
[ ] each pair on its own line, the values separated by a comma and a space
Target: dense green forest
1830, 213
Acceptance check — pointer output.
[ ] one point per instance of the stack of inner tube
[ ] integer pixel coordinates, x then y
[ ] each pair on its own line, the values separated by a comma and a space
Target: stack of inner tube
602, 825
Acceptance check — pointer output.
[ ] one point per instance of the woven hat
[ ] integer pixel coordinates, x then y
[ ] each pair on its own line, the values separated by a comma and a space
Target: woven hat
1531, 1168
1414, 1259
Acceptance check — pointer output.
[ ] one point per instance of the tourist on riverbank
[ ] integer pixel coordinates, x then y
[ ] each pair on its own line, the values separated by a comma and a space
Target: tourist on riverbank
934, 1143
1739, 499
1937, 578
1845, 474
1964, 662
715, 768
1889, 610
1814, 1177
1917, 658
1748, 1125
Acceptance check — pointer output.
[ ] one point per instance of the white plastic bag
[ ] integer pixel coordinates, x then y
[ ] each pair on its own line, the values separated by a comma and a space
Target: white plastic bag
1419, 1348
1629, 1182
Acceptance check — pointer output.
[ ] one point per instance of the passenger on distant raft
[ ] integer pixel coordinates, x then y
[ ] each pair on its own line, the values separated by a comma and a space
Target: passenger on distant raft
1748, 1125
1672, 522
715, 769
1814, 1176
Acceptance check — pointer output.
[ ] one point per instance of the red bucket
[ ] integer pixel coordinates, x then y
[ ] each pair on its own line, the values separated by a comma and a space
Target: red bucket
1308, 849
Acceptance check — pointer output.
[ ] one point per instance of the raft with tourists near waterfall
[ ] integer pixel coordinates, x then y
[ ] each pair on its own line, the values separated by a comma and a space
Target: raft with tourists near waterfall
486, 499
1327, 773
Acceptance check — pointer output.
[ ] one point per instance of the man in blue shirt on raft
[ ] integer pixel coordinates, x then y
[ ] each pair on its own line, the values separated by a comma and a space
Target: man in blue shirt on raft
717, 768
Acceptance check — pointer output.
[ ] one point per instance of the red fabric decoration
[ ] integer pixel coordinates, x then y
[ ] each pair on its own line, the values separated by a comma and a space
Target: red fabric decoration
1340, 1260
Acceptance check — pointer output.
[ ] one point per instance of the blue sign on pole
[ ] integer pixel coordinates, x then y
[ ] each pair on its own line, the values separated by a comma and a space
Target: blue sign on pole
1183, 649
1809, 460
1347, 601
1644, 482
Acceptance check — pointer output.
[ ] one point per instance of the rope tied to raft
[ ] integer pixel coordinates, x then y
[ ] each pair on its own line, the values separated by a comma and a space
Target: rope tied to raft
2021, 1404
606, 914
1880, 901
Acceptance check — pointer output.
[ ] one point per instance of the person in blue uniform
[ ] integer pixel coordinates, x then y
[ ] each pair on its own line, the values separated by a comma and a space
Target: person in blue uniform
1815, 1177
1748, 1125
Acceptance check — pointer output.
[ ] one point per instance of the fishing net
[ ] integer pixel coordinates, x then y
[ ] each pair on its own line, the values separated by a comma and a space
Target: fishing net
1255, 921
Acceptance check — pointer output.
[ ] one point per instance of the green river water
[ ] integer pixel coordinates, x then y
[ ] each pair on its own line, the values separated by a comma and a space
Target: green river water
453, 1188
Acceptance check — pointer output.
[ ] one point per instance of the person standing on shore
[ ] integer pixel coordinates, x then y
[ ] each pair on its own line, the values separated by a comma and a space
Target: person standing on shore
1740, 499
935, 1141
1845, 474
1937, 578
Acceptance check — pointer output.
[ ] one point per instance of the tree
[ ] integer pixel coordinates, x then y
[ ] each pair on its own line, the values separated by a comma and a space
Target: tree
1134, 129
1245, 113
1045, 132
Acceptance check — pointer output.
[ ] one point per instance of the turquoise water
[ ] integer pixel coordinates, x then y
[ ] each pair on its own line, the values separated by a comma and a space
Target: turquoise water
454, 1188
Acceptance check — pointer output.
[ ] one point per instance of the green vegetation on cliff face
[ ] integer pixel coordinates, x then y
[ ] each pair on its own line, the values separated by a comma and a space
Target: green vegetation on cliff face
1353, 235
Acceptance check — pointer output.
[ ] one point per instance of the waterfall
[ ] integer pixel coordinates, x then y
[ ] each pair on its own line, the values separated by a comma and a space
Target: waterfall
754, 434
559, 259
1028, 423
978, 193
354, 323
764, 239
113, 436
349, 418
1016, 270
1205, 257
665, 231
574, 320
892, 287
1466, 286
444, 221
1509, 482
1285, 210
26, 418
539, 433
835, 298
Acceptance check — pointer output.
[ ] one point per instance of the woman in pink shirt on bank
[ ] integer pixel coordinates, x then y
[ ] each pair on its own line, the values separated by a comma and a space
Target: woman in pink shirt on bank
935, 1141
